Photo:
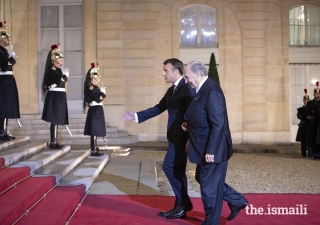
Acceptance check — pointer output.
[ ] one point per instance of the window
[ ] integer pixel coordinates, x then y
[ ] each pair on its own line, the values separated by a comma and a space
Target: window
304, 26
198, 26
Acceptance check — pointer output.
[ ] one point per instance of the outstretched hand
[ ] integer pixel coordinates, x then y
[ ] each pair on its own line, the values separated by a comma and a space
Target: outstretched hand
128, 116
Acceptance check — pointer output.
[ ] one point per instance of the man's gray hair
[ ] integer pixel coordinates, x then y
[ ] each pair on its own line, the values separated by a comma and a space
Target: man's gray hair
196, 66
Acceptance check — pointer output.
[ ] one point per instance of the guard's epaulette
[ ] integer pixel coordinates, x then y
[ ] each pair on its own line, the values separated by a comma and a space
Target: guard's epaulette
53, 68
91, 87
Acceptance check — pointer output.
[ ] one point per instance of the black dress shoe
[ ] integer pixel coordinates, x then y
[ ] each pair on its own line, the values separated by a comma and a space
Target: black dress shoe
187, 208
96, 153
7, 137
56, 145
234, 212
177, 212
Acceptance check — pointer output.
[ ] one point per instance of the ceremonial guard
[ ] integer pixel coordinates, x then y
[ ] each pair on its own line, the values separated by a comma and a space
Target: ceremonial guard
9, 99
55, 110
313, 121
303, 125
93, 96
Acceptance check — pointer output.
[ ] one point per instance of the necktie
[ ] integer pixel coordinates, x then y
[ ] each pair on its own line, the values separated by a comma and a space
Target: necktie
174, 88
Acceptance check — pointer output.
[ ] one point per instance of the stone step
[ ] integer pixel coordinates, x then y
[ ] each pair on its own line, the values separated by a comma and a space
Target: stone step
23, 122
19, 153
62, 137
19, 141
61, 131
46, 126
41, 159
110, 141
86, 172
38, 116
62, 166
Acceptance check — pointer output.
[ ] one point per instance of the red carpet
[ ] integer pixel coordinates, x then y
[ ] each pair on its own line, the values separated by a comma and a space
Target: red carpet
138, 210
56, 208
9, 176
1, 162
17, 200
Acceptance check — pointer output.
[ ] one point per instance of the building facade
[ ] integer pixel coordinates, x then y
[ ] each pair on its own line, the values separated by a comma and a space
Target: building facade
267, 52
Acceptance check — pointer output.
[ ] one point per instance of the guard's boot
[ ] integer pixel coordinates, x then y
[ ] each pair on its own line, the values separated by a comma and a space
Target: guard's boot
4, 136
1, 128
94, 149
53, 136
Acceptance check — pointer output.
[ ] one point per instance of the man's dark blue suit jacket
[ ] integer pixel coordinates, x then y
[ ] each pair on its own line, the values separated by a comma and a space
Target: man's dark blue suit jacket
176, 103
208, 125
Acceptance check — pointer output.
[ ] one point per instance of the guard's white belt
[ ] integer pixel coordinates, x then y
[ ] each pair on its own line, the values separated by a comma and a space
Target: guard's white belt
57, 89
94, 103
6, 73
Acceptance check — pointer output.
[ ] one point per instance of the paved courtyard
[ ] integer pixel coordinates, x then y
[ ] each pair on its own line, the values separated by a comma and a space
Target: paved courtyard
247, 173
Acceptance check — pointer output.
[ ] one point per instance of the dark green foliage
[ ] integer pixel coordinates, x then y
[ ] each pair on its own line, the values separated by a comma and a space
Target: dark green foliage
213, 72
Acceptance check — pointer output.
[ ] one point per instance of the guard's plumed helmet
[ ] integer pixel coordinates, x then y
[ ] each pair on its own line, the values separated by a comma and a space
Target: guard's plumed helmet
94, 72
306, 96
55, 53
3, 31
317, 89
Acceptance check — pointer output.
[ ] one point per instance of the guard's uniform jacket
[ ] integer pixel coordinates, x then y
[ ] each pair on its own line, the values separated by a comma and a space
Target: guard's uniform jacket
95, 122
55, 108
9, 99
303, 125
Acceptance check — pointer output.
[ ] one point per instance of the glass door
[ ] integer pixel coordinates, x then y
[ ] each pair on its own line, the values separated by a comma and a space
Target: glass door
63, 23
301, 77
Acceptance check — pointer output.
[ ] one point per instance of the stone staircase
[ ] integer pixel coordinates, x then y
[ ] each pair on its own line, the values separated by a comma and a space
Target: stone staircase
69, 167
38, 130
43, 161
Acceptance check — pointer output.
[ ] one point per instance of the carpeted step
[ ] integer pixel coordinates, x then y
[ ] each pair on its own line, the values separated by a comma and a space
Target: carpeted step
56, 208
42, 158
62, 166
86, 172
19, 141
17, 200
9, 176
13, 155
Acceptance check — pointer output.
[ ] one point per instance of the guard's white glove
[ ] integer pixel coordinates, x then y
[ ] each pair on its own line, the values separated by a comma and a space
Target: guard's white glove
12, 53
66, 72
53, 86
103, 90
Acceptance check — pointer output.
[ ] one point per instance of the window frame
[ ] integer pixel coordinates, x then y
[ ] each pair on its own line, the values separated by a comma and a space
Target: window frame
306, 26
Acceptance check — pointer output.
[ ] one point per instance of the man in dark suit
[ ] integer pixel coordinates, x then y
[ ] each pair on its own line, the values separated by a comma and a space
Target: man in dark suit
175, 101
210, 145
